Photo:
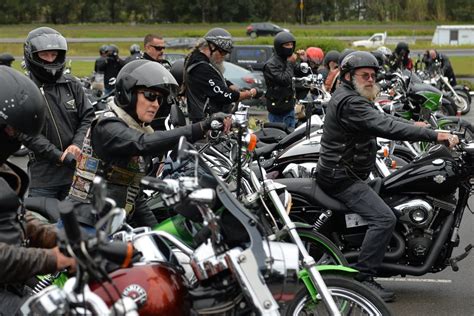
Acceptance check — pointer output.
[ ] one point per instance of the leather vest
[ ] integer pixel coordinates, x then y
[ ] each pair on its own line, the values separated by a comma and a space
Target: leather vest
344, 154
123, 182
13, 184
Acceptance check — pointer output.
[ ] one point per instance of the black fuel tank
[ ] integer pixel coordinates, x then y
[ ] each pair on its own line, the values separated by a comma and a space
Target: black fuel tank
434, 172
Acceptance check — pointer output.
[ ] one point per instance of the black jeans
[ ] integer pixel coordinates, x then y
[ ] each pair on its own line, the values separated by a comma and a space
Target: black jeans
361, 199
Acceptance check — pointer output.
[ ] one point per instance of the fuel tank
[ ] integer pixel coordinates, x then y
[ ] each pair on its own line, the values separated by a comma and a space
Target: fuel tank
434, 172
303, 148
158, 289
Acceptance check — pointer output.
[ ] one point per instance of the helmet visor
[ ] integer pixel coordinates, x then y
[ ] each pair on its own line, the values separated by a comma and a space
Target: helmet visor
44, 42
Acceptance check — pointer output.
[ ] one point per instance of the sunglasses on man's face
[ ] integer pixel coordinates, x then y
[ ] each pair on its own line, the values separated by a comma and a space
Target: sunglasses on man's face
222, 52
152, 96
158, 48
366, 76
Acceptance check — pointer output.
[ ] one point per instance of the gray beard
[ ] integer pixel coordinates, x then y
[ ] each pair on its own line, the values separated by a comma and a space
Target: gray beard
369, 93
218, 66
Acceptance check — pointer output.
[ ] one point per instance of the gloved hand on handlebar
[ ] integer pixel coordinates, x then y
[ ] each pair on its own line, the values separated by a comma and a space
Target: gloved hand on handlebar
258, 94
218, 122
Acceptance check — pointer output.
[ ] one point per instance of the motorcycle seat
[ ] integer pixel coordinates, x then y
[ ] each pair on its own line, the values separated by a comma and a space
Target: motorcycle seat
278, 125
45, 206
311, 192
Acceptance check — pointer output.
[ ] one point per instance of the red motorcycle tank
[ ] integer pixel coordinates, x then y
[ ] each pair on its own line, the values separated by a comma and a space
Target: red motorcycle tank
434, 172
157, 288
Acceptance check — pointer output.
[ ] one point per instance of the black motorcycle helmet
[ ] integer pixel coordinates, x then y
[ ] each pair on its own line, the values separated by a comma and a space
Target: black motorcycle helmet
142, 73
134, 49
356, 60
280, 39
22, 107
44, 39
332, 55
402, 49
220, 38
103, 49
6, 59
112, 50
177, 70
380, 57
343, 54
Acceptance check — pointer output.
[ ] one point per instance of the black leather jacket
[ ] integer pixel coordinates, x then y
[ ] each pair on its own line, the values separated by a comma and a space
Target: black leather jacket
122, 155
20, 263
69, 114
278, 73
348, 144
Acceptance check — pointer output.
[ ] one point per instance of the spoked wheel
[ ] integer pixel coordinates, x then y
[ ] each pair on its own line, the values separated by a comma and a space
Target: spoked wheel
350, 296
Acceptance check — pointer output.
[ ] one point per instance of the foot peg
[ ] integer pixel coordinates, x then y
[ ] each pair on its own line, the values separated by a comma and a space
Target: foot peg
454, 261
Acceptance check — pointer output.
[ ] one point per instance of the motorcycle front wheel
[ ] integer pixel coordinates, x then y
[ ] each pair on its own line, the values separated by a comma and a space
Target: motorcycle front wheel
323, 250
462, 103
350, 296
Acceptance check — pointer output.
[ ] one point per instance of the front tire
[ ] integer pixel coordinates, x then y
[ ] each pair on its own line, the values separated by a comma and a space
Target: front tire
463, 104
321, 248
351, 297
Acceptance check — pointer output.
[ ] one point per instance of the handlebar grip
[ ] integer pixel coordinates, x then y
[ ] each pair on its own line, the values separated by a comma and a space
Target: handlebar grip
118, 252
202, 235
156, 185
71, 226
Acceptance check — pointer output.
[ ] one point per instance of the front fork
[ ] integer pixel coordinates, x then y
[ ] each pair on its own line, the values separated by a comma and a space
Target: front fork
314, 281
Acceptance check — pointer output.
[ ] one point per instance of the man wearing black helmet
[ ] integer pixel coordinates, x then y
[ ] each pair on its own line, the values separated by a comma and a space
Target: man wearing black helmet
113, 64
135, 53
120, 144
22, 113
207, 91
330, 70
54, 152
348, 149
400, 58
278, 72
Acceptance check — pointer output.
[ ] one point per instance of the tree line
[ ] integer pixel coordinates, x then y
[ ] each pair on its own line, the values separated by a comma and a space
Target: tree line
214, 11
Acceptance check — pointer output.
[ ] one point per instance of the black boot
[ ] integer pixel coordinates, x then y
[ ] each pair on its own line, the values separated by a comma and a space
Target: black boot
386, 295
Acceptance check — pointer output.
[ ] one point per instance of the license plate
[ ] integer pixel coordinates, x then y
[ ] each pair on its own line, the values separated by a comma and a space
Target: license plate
354, 220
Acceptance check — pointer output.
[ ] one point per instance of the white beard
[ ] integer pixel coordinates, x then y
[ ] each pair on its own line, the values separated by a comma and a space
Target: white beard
218, 66
369, 93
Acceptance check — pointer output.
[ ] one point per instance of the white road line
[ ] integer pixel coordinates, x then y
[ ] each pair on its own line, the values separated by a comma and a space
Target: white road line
415, 280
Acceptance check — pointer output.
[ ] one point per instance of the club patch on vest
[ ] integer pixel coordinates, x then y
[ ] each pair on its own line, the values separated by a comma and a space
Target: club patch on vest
71, 104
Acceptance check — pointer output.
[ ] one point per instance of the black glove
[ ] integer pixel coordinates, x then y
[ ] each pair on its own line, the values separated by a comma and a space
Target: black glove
258, 94
70, 161
215, 121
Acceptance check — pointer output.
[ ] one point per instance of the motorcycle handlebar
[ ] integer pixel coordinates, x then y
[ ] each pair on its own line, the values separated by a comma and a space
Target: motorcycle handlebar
117, 252
71, 226
157, 185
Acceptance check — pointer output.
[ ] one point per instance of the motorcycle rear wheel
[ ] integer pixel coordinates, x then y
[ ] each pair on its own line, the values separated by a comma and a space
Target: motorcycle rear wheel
351, 297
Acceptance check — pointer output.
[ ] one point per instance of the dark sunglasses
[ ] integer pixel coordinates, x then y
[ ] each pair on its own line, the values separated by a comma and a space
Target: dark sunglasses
152, 96
222, 52
158, 48
366, 76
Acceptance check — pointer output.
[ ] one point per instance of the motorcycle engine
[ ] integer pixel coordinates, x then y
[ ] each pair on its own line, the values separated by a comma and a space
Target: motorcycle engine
416, 217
